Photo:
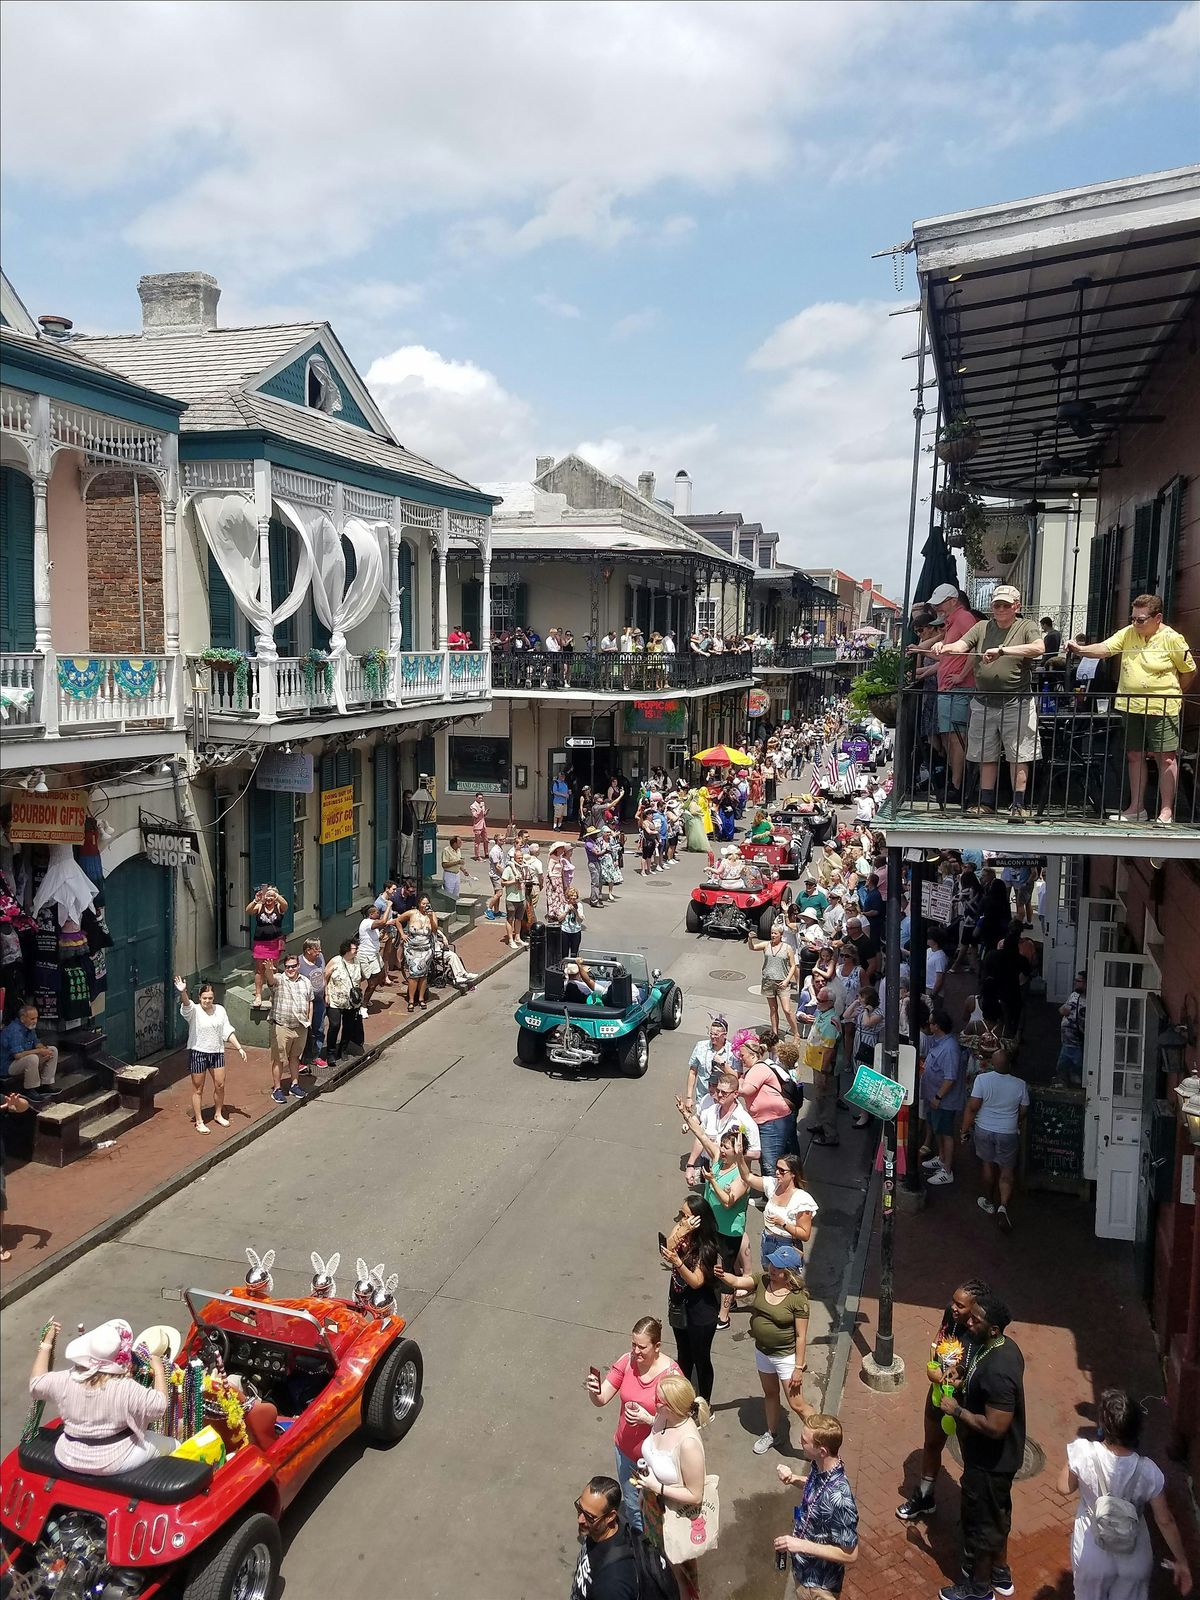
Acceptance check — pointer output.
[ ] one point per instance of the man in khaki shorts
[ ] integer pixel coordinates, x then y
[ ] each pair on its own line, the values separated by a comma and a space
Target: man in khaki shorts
1003, 720
291, 1014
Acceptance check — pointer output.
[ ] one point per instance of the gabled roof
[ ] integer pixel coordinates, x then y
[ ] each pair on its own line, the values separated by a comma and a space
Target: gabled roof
198, 364
13, 309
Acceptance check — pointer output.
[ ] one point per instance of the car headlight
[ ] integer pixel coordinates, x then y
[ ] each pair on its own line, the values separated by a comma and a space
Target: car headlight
609, 1030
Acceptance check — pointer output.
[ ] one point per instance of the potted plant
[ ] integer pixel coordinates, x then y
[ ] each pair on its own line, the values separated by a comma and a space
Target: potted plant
1008, 553
375, 665
972, 548
876, 689
951, 500
229, 662
313, 662
957, 440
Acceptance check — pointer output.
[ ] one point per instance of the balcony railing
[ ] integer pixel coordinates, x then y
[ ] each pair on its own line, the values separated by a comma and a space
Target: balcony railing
784, 657
614, 672
294, 687
1076, 754
61, 695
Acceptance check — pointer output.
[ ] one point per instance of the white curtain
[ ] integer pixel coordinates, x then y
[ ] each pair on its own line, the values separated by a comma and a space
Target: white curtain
339, 605
231, 531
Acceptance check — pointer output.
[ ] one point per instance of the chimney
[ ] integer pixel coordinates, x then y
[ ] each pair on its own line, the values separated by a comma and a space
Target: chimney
178, 302
683, 494
56, 327
543, 465
646, 485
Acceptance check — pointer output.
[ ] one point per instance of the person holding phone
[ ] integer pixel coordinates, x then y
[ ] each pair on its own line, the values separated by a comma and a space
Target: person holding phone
726, 1192
690, 1250
634, 1379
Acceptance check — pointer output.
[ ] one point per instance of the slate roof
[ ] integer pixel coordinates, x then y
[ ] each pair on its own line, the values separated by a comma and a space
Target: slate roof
68, 354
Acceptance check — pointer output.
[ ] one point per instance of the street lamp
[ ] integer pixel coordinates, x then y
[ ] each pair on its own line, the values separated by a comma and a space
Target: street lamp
423, 805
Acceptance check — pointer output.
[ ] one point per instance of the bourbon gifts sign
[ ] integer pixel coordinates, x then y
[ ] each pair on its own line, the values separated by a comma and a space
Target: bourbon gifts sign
55, 818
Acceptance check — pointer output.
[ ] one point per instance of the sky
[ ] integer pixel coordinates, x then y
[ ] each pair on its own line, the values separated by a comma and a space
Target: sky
639, 231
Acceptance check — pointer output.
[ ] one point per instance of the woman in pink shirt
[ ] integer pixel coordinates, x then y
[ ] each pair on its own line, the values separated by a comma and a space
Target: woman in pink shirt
763, 1098
106, 1413
635, 1378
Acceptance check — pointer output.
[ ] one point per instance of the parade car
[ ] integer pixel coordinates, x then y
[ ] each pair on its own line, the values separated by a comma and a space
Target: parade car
321, 1368
738, 905
787, 851
560, 1023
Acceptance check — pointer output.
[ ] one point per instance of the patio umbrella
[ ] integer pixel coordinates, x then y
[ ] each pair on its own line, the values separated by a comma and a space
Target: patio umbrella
868, 633
722, 756
938, 566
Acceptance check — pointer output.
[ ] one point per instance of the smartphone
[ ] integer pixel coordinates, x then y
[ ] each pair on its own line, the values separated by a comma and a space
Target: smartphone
662, 1241
594, 1372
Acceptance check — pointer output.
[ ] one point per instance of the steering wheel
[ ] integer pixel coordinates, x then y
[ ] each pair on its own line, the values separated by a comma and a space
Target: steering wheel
214, 1345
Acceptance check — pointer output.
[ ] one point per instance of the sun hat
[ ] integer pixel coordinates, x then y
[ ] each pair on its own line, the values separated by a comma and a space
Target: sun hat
160, 1340
943, 592
560, 844
837, 892
1007, 591
786, 1258
107, 1348
592, 833
809, 915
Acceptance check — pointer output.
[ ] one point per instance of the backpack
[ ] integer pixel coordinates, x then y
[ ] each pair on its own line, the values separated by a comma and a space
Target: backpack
791, 1091
655, 1580
1117, 1521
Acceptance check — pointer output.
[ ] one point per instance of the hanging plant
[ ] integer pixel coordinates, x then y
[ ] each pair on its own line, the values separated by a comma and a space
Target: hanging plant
951, 500
375, 665
235, 661
972, 549
957, 440
1007, 554
313, 662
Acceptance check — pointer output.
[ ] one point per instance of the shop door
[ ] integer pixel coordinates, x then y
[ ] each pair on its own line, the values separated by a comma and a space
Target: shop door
1108, 969
381, 820
1124, 1024
559, 761
137, 902
271, 849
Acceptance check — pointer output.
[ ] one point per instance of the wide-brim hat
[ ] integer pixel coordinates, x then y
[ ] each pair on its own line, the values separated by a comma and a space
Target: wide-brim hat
160, 1340
561, 844
105, 1348
592, 833
809, 915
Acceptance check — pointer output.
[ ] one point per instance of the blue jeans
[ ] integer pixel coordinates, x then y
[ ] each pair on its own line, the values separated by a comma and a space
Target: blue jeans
315, 1043
776, 1138
631, 1495
1070, 1063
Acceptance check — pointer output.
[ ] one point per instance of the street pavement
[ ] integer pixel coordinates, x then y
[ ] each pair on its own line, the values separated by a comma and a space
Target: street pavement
520, 1212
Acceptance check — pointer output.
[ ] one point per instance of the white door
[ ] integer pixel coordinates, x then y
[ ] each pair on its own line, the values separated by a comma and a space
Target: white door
1061, 936
1125, 1025
1108, 969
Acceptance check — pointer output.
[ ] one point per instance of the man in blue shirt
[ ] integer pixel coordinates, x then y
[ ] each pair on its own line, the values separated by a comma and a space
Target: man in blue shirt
560, 798
22, 1056
824, 1537
944, 1091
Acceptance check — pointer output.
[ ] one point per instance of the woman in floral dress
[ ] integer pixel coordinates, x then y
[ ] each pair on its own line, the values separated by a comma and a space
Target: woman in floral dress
557, 880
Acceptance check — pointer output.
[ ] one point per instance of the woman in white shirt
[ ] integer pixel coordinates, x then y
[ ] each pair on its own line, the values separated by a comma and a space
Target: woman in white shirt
790, 1209
209, 1031
1110, 1465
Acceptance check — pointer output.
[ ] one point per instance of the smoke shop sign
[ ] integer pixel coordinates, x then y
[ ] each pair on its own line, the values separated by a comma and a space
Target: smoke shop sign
48, 818
169, 844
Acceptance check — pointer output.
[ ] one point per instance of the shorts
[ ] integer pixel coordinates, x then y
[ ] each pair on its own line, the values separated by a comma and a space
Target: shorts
772, 986
202, 1061
942, 1122
729, 1247
287, 1044
1070, 1062
783, 1367
267, 949
986, 1508
368, 964
1002, 1149
649, 849
953, 712
1156, 733
1003, 727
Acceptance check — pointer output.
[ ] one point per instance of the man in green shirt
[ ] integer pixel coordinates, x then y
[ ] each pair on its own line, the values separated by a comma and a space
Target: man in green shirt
1003, 712
811, 898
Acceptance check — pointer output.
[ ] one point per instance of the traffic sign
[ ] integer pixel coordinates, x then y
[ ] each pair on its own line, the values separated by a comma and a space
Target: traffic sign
582, 742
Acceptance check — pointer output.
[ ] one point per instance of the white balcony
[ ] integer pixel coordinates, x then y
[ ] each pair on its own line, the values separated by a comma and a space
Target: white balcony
59, 708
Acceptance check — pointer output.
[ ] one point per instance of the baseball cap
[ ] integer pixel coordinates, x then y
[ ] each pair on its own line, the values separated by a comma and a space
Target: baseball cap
943, 592
787, 1258
1005, 591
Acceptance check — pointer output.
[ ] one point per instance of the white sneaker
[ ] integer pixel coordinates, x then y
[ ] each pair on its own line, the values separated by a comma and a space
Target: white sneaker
985, 1204
932, 1164
763, 1443
941, 1176
362, 1011
1128, 816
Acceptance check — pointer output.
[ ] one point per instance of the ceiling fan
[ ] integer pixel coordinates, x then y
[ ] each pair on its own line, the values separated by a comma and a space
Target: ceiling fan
1080, 415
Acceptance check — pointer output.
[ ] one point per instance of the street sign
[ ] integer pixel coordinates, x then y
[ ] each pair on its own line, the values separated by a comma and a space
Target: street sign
581, 742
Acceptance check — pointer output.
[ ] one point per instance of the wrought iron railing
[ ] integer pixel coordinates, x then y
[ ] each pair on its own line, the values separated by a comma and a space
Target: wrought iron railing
617, 672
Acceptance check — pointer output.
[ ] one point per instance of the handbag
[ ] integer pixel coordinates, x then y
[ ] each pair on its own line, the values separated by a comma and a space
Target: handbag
693, 1532
815, 1056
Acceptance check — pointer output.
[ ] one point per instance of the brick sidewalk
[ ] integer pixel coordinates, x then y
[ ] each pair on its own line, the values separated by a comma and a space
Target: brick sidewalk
50, 1208
1082, 1326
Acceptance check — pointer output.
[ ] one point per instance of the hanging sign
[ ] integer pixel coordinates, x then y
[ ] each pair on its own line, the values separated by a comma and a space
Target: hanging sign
169, 844
875, 1094
337, 813
655, 716
758, 702
285, 774
937, 901
56, 818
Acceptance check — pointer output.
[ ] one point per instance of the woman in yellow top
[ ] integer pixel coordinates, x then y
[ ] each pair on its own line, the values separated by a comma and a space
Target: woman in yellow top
1156, 664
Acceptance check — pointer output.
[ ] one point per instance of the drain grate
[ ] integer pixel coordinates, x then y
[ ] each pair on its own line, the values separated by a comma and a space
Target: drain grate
1034, 1461
726, 975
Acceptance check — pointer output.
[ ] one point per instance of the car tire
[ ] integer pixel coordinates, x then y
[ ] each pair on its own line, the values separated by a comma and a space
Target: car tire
531, 1048
693, 922
672, 1012
394, 1399
245, 1563
633, 1053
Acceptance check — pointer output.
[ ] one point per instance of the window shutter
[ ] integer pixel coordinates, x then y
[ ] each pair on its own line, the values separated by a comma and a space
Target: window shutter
1143, 566
521, 605
328, 851
16, 561
1170, 522
407, 642
472, 609
281, 583
344, 765
1095, 595
271, 845
382, 816
222, 612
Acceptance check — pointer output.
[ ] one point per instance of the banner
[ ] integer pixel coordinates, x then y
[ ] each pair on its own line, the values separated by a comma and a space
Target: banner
283, 774
56, 818
337, 814
656, 716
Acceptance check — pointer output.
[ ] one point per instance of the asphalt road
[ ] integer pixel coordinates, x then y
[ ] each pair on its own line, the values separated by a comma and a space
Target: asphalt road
520, 1212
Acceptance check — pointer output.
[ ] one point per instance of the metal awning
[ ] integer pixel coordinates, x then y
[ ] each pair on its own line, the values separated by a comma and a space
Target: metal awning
1065, 298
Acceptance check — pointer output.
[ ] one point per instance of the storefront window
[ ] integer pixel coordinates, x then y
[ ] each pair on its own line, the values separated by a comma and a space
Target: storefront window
479, 765
299, 824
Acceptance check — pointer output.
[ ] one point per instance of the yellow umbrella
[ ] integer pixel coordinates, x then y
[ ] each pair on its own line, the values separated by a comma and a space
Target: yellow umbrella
722, 756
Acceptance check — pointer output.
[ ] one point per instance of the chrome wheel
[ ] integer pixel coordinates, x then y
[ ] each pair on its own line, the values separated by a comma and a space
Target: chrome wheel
404, 1394
643, 1052
253, 1578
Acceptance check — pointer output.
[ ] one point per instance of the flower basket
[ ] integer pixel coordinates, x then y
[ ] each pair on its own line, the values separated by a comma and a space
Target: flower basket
375, 665
958, 441
230, 663
951, 500
883, 706
312, 664
1007, 554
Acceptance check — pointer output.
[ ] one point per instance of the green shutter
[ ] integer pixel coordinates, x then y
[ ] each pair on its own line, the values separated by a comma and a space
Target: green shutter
1170, 522
282, 574
521, 606
381, 822
1143, 566
328, 903
16, 561
271, 846
407, 642
472, 609
344, 769
222, 612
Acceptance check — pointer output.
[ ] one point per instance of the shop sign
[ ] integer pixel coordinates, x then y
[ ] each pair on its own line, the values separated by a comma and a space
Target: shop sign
172, 849
656, 716
937, 901
56, 818
758, 703
337, 813
285, 774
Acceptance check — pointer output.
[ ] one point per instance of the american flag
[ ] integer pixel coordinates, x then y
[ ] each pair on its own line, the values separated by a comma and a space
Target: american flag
852, 774
831, 770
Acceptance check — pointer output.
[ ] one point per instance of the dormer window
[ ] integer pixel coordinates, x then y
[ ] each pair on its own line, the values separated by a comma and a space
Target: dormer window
321, 392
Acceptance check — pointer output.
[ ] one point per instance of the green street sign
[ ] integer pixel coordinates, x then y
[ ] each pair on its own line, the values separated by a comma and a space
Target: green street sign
874, 1093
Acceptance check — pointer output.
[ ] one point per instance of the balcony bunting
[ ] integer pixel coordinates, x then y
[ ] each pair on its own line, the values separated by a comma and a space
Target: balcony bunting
231, 532
136, 676
79, 676
339, 605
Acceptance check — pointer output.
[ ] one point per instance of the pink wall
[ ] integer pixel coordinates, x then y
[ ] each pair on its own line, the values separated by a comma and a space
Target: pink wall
68, 553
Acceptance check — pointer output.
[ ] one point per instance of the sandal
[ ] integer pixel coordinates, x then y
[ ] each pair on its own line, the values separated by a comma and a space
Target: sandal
410, 1007
5, 1255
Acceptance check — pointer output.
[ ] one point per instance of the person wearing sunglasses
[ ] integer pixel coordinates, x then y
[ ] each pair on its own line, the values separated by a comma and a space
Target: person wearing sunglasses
1158, 662
605, 1569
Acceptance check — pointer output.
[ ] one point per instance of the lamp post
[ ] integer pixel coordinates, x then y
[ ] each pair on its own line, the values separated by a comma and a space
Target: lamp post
423, 805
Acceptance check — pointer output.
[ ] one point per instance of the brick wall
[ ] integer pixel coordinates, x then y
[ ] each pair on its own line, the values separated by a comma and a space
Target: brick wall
113, 616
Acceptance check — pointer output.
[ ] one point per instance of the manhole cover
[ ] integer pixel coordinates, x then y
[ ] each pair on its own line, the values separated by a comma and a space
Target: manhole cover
726, 975
1033, 1463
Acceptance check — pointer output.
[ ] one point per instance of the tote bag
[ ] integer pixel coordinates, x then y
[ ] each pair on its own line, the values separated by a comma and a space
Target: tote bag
690, 1533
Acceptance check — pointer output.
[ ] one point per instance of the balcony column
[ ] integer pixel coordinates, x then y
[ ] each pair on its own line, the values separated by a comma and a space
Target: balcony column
42, 635
443, 552
395, 621
485, 592
264, 638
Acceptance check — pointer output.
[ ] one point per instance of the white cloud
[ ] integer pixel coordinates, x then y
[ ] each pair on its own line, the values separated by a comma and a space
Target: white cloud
636, 322
556, 306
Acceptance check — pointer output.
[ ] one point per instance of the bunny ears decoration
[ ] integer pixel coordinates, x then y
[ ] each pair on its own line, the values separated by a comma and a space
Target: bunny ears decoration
369, 1279
259, 1276
323, 1284
384, 1298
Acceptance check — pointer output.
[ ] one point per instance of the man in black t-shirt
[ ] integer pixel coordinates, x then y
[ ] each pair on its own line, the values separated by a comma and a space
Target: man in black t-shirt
608, 1566
989, 1409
